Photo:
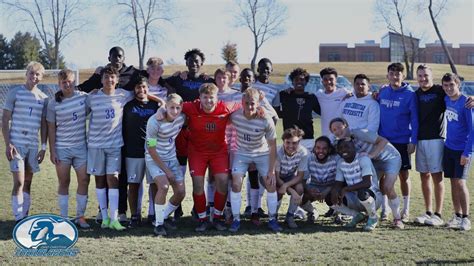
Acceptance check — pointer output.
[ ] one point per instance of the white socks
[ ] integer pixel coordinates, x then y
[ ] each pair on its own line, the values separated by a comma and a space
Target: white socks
344, 210
272, 203
406, 204
81, 205
168, 209
102, 199
113, 201
159, 214
261, 191
292, 206
236, 202
254, 194
369, 205
26, 203
63, 201
395, 206
17, 206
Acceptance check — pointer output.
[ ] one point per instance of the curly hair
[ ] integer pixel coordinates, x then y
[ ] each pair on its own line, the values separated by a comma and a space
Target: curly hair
194, 51
298, 72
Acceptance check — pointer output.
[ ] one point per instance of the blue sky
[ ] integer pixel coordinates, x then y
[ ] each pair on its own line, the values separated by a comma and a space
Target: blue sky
207, 24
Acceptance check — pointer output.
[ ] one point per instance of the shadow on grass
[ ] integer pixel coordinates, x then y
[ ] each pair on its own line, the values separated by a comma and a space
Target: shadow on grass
444, 262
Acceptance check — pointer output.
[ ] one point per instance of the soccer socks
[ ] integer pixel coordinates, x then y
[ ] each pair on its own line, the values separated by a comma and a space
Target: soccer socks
261, 191
17, 206
219, 204
26, 203
254, 200
168, 209
292, 207
369, 205
406, 204
236, 202
344, 210
63, 205
159, 214
102, 199
200, 205
272, 203
247, 187
81, 205
385, 205
395, 206
114, 202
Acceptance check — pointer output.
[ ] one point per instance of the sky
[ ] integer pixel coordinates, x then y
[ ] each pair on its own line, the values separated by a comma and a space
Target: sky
209, 24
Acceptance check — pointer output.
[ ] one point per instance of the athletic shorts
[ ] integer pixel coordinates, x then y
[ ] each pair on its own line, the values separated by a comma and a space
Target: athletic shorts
390, 166
182, 142
354, 203
429, 156
75, 156
101, 161
308, 144
218, 163
287, 178
310, 188
136, 170
25, 157
452, 167
241, 163
403, 150
156, 171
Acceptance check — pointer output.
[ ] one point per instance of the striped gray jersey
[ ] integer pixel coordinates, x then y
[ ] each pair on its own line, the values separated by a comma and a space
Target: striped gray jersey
352, 172
230, 96
288, 165
105, 125
158, 91
252, 134
70, 118
322, 174
27, 107
364, 141
271, 91
165, 134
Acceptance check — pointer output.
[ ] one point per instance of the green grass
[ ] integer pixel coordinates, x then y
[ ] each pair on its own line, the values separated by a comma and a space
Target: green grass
321, 243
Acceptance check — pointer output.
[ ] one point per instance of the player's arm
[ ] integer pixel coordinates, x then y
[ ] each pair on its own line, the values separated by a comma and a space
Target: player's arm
10, 148
271, 167
44, 137
365, 183
336, 191
316, 106
160, 101
468, 148
380, 144
51, 121
413, 124
94, 82
374, 117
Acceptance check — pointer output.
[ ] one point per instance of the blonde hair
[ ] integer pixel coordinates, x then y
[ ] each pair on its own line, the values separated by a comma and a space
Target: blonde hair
174, 98
154, 61
208, 88
65, 74
35, 66
251, 93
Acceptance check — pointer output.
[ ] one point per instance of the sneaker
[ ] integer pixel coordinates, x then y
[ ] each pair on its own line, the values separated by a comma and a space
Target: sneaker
299, 214
105, 223
261, 213
398, 224
98, 218
405, 217
384, 215
329, 213
422, 218
169, 224
235, 226
178, 213
219, 225
435, 220
371, 224
454, 223
81, 222
151, 219
355, 220
116, 225
194, 215
135, 221
465, 224
290, 221
247, 212
310, 218
160, 231
255, 219
202, 226
122, 218
338, 219
274, 226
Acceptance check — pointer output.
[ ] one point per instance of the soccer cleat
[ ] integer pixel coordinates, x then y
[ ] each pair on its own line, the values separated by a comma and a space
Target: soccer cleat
219, 225
98, 217
235, 226
405, 217
202, 226
465, 224
247, 212
299, 214
290, 221
355, 220
329, 213
371, 224
135, 221
116, 225
255, 219
261, 213
454, 223
81, 222
105, 223
398, 224
434, 220
159, 230
169, 224
151, 220
338, 219
310, 218
274, 226
384, 215
123, 218
422, 218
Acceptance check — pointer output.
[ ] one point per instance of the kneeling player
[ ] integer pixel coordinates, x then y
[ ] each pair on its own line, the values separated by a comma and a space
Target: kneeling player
162, 163
356, 189
291, 164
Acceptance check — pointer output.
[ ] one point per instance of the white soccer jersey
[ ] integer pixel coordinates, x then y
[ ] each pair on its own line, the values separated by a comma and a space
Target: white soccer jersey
230, 96
252, 134
364, 141
289, 165
271, 90
158, 91
105, 125
27, 107
165, 134
70, 118
330, 107
322, 174
352, 172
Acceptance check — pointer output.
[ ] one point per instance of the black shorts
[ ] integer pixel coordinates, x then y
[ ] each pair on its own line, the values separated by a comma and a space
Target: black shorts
452, 167
406, 158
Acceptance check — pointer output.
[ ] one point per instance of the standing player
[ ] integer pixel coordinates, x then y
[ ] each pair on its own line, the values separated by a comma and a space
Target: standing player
264, 70
398, 102
162, 163
234, 70
291, 164
457, 150
154, 68
256, 143
25, 108
66, 118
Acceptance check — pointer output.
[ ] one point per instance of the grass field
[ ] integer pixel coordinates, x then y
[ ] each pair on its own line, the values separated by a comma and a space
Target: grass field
320, 243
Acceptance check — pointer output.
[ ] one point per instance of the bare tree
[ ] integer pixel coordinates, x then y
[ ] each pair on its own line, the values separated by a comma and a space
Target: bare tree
434, 15
54, 21
144, 17
264, 18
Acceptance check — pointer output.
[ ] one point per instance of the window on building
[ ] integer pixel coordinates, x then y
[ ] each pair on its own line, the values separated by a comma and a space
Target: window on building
470, 59
439, 58
334, 57
368, 57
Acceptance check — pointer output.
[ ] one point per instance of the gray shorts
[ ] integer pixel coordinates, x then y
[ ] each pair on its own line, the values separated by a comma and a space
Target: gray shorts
155, 170
390, 166
75, 156
429, 156
241, 163
102, 161
25, 159
353, 201
136, 170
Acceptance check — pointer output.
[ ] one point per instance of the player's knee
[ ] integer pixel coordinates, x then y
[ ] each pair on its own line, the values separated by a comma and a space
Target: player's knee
299, 189
163, 187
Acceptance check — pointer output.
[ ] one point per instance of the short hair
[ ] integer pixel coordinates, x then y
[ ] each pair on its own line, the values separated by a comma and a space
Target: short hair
154, 61
109, 70
221, 71
194, 51
251, 93
264, 61
424, 67
396, 67
35, 66
361, 76
292, 132
338, 119
298, 72
451, 77
247, 69
65, 74
208, 88
328, 71
116, 49
140, 80
331, 148
174, 98
231, 63
344, 141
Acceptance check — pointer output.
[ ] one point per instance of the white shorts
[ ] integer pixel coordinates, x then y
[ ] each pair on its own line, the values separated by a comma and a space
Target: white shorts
155, 170
136, 170
26, 157
390, 166
429, 156
241, 163
354, 203
75, 156
102, 161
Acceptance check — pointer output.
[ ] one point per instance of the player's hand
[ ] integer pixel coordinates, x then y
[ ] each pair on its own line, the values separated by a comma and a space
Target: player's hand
54, 159
11, 152
470, 102
262, 95
411, 148
348, 95
170, 175
464, 160
205, 76
98, 70
160, 113
271, 178
260, 112
40, 156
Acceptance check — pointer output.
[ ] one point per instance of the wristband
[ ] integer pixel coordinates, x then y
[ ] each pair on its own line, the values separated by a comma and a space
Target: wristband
43, 146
